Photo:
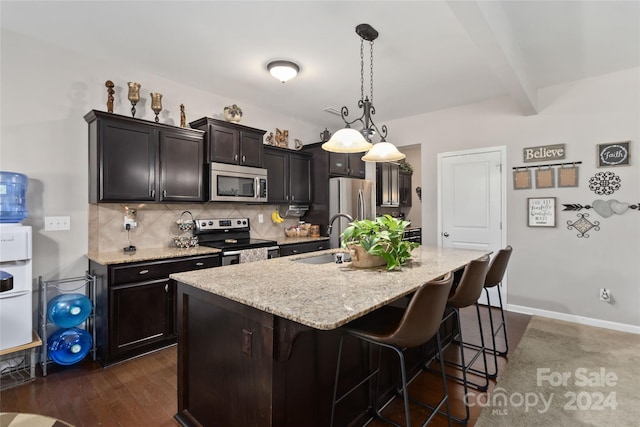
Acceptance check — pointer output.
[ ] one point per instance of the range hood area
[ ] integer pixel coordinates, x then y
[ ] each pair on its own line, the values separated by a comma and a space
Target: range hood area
294, 211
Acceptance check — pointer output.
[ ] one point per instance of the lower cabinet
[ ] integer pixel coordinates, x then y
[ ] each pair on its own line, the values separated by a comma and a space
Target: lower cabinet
301, 248
136, 305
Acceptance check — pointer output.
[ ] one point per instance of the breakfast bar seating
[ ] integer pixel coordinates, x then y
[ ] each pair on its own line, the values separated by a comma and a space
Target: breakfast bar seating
261, 350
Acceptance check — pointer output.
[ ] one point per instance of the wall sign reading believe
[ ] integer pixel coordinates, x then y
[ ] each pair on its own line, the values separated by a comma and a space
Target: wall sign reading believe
543, 153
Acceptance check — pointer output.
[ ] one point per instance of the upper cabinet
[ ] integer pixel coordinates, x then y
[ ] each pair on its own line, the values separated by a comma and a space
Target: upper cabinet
405, 189
288, 175
393, 186
346, 164
133, 160
231, 143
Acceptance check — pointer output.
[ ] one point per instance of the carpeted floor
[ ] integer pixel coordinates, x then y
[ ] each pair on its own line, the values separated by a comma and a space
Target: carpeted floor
566, 374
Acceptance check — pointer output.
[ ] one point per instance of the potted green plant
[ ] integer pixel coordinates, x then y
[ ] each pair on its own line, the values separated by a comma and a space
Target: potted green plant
382, 238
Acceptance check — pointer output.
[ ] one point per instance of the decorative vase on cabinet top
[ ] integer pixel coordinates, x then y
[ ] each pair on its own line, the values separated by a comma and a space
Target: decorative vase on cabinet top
232, 113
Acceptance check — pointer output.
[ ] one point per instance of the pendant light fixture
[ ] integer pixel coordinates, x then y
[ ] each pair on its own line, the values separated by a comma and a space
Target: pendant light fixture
349, 140
283, 70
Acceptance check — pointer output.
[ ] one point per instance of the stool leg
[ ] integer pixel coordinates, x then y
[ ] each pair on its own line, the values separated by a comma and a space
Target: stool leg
493, 336
444, 383
503, 326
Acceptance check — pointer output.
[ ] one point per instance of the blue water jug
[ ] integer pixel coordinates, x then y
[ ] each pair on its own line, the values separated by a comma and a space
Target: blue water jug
69, 346
68, 310
13, 196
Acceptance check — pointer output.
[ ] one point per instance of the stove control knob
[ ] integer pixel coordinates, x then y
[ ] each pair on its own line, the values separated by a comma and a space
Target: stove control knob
244, 222
210, 222
203, 224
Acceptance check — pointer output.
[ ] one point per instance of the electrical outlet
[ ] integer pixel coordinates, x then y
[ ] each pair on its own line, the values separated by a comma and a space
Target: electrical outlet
605, 295
57, 223
129, 222
260, 218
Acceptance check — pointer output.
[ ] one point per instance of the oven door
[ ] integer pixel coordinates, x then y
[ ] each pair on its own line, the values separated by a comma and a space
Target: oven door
230, 258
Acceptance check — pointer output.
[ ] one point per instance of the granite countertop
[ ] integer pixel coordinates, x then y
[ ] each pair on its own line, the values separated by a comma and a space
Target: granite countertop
324, 296
149, 254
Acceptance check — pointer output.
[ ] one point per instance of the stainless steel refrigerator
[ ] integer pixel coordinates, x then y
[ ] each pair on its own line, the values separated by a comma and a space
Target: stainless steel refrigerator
355, 197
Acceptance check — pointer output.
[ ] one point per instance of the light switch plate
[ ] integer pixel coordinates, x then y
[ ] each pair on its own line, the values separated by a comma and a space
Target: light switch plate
57, 223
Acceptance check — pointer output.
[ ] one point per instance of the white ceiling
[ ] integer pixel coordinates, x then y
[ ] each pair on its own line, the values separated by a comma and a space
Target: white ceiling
430, 55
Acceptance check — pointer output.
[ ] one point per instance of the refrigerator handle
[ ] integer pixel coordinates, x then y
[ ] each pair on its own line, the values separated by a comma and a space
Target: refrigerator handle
361, 206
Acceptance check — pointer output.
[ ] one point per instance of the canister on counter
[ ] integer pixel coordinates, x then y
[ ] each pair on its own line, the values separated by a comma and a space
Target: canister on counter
314, 231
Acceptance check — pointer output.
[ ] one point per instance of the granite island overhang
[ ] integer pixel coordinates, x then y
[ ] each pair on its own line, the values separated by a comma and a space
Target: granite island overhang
257, 342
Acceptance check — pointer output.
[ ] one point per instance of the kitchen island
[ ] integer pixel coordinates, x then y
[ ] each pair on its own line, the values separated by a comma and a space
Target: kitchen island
257, 342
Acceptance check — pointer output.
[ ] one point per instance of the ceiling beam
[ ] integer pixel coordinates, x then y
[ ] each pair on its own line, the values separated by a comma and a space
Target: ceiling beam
488, 26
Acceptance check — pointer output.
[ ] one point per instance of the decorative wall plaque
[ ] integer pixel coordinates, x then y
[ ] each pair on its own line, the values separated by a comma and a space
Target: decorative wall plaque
543, 153
613, 154
541, 211
583, 225
568, 176
521, 179
544, 178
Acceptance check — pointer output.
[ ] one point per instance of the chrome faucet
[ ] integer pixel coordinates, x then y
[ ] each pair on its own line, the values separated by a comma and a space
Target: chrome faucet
333, 218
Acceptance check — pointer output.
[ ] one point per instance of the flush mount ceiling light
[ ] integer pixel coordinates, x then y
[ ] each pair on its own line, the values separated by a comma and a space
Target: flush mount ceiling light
349, 140
283, 70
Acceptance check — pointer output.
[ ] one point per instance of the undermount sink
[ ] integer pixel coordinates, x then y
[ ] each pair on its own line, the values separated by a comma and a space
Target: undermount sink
325, 258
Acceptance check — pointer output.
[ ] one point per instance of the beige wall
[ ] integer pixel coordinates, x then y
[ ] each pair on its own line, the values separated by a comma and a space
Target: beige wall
552, 270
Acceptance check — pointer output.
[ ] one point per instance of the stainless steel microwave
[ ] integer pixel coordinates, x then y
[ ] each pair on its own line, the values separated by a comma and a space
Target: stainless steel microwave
233, 183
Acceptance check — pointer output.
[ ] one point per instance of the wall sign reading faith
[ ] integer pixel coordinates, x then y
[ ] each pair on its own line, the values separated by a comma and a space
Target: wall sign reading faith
614, 154
543, 153
541, 211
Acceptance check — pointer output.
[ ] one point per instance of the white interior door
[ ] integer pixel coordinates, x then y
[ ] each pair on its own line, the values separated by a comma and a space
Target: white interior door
471, 202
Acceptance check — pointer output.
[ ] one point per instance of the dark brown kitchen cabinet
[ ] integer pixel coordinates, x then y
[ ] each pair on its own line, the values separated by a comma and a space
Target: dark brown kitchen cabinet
231, 143
405, 189
346, 165
302, 248
136, 306
288, 175
387, 184
133, 160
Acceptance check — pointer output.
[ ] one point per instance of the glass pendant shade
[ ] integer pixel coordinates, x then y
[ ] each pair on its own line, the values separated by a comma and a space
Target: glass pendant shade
347, 140
383, 152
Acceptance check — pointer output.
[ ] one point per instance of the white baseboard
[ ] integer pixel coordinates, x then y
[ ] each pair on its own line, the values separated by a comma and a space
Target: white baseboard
623, 327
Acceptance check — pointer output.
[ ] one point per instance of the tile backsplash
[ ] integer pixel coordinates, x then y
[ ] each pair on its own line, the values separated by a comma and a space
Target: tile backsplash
156, 223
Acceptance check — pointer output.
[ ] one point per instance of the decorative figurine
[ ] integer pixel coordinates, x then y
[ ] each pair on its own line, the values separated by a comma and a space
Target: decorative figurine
109, 84
269, 139
156, 103
134, 96
183, 117
298, 144
324, 136
282, 138
232, 113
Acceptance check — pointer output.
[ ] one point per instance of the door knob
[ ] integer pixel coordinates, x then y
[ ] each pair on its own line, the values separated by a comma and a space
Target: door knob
445, 234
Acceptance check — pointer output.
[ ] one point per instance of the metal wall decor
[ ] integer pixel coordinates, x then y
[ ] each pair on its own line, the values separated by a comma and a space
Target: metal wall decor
613, 154
604, 208
583, 225
604, 183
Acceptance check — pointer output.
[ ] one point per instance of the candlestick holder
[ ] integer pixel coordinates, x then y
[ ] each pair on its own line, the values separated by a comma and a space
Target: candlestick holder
134, 96
156, 103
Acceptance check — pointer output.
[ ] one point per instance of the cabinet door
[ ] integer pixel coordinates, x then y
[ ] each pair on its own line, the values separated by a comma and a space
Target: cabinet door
181, 167
338, 164
127, 162
356, 165
141, 315
277, 165
405, 189
299, 178
224, 144
388, 185
251, 149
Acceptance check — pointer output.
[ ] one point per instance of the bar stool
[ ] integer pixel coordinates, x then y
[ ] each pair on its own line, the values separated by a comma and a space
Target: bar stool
397, 329
495, 275
466, 294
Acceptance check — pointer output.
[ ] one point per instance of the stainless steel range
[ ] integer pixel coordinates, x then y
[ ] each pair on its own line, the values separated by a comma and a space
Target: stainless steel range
232, 236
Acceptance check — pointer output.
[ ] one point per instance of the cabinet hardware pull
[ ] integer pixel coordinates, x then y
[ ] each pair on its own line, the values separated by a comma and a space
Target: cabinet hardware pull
295, 251
166, 287
199, 264
164, 193
244, 159
153, 193
235, 158
143, 271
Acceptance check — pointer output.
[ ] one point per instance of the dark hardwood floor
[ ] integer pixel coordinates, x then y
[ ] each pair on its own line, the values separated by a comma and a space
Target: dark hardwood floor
143, 392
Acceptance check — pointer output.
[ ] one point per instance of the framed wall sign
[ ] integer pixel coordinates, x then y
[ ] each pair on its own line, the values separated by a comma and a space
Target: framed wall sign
613, 154
543, 153
541, 211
